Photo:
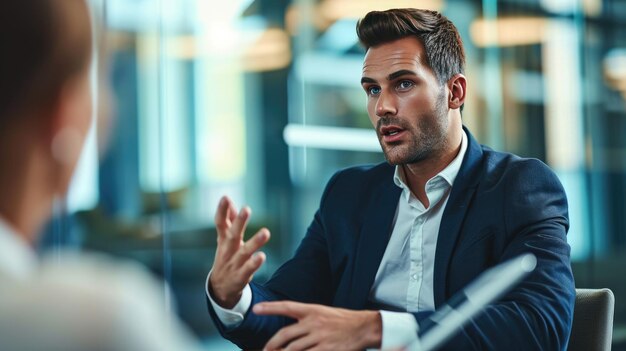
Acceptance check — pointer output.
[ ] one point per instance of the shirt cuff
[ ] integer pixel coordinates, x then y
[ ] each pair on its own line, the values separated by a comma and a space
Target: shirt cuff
231, 318
399, 331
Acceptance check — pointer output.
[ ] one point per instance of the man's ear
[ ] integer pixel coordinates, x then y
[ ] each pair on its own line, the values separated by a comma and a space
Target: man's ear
69, 120
456, 87
54, 119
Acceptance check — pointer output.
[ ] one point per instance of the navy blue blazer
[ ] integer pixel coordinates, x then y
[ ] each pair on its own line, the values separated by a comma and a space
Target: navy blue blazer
500, 206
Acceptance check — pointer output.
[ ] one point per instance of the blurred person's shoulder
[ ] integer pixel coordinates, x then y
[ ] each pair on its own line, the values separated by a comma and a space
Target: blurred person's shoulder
79, 302
98, 274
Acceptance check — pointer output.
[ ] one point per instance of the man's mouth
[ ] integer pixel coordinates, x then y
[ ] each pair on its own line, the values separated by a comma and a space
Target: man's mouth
391, 134
390, 130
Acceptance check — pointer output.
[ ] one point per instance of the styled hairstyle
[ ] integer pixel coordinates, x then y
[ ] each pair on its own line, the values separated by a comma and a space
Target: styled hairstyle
441, 39
44, 44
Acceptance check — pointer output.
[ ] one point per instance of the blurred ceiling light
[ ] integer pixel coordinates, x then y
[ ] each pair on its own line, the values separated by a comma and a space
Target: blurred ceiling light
512, 31
338, 9
329, 11
592, 7
210, 11
299, 15
335, 138
271, 51
589, 7
615, 64
614, 67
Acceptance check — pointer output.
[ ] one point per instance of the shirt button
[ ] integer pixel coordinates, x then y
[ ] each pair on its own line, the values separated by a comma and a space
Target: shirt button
413, 276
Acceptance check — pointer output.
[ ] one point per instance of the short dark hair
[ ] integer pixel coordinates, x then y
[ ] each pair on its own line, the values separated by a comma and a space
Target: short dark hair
44, 43
441, 39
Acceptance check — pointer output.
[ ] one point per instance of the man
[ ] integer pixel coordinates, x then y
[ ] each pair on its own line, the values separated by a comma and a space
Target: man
68, 302
391, 243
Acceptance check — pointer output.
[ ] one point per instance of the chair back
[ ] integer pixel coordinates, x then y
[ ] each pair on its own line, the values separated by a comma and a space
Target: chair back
592, 329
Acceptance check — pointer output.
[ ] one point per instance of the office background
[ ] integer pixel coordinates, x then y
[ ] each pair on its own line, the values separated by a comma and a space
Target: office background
260, 100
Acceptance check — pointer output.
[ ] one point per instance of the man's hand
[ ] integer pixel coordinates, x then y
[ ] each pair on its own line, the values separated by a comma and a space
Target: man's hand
322, 328
235, 262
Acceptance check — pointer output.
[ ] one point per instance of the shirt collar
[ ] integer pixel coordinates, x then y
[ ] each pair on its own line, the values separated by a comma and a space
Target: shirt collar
17, 258
448, 174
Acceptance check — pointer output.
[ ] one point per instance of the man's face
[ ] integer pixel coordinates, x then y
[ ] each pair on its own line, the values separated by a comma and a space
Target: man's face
405, 102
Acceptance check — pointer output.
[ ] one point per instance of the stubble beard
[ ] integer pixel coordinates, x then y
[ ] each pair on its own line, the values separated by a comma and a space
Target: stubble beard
428, 139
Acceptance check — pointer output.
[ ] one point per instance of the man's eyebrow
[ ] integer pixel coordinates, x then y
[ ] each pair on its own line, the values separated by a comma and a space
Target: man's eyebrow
367, 80
392, 76
400, 73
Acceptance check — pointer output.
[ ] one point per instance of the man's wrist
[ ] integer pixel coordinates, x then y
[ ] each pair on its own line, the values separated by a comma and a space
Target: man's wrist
232, 317
227, 302
373, 329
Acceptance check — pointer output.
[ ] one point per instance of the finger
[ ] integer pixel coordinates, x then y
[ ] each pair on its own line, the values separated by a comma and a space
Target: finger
221, 215
251, 266
304, 343
234, 234
285, 336
252, 245
232, 211
224, 216
239, 223
295, 310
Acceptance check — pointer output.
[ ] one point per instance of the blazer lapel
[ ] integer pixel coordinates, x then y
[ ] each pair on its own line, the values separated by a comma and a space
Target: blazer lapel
372, 242
461, 196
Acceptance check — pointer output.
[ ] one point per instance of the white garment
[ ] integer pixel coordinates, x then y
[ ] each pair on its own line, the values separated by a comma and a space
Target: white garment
404, 281
75, 302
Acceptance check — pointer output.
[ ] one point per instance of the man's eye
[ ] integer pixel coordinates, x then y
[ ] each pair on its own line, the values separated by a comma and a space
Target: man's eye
405, 84
373, 90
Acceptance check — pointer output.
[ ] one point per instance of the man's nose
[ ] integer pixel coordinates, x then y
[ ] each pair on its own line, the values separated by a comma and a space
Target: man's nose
386, 105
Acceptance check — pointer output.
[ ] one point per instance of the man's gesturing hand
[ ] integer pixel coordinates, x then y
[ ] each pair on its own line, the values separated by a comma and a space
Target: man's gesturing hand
235, 261
322, 328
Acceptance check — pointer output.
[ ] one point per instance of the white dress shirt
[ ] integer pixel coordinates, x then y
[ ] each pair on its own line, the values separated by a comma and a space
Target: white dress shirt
404, 280
75, 302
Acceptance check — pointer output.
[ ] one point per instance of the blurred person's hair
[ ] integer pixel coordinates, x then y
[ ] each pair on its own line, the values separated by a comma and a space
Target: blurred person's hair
45, 43
441, 40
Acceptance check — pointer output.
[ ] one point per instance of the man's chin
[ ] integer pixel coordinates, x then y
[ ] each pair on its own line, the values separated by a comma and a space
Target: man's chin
392, 161
396, 159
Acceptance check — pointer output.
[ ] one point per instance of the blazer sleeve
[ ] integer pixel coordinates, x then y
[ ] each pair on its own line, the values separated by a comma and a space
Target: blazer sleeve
305, 278
538, 313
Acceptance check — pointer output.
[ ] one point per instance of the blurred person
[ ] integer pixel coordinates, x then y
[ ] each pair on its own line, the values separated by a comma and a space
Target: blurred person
390, 243
70, 301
